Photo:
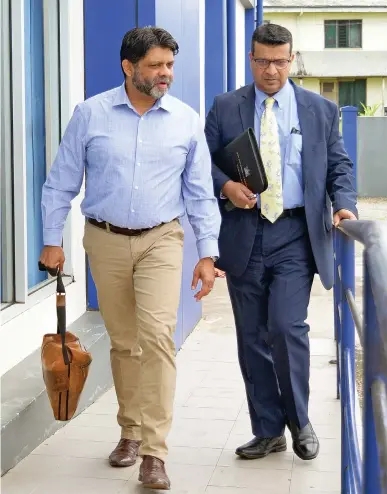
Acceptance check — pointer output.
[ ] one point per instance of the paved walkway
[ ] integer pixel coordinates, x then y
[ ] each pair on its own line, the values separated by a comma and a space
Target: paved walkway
211, 419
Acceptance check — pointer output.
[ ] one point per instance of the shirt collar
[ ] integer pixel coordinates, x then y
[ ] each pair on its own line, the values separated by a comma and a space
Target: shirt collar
281, 97
121, 98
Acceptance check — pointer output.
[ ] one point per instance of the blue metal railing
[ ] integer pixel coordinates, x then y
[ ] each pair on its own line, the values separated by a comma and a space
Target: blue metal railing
370, 475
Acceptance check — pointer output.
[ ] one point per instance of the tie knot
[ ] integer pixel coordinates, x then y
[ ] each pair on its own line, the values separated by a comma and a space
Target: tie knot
269, 102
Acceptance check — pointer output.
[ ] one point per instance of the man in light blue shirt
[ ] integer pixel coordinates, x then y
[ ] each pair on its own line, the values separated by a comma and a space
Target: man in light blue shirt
285, 109
146, 162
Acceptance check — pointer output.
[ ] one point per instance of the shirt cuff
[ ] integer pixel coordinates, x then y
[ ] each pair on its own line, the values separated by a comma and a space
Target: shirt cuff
207, 248
52, 237
222, 196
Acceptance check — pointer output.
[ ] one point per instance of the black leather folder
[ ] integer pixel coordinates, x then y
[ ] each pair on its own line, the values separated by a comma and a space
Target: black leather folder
241, 161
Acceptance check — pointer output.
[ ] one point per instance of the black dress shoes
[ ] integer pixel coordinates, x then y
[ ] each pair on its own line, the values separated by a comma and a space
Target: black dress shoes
305, 442
260, 447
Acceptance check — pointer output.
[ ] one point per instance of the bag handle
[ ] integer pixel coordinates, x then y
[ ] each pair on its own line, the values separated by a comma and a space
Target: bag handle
60, 308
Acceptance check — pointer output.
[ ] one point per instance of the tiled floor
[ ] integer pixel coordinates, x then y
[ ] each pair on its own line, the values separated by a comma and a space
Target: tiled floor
211, 419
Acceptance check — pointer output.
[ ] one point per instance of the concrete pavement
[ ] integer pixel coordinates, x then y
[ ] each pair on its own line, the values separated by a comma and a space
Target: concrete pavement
211, 420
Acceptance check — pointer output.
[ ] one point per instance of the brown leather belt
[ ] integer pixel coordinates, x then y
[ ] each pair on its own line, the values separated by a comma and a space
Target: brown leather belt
104, 225
286, 213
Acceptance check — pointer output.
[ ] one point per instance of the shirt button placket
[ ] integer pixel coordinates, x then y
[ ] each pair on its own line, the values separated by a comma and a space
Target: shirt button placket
138, 160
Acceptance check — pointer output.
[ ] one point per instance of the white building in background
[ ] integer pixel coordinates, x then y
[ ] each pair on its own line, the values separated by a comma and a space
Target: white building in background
340, 47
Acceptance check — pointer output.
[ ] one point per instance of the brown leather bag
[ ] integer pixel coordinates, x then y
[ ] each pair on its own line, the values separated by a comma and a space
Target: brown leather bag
65, 363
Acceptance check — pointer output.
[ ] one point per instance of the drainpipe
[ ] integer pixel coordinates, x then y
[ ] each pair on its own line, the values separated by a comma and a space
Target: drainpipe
249, 28
298, 37
231, 45
259, 19
298, 24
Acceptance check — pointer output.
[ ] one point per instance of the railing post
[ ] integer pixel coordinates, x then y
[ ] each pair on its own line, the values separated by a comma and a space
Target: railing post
371, 472
347, 258
337, 303
349, 120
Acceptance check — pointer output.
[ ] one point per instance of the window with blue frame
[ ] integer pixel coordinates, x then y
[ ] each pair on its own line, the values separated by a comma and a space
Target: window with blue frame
30, 133
35, 135
7, 286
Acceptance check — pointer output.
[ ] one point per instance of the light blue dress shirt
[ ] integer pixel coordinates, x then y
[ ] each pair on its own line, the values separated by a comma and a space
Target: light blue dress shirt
285, 109
140, 171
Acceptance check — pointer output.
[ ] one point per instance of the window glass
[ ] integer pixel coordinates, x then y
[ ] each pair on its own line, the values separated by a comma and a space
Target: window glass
343, 34
330, 34
7, 286
35, 135
352, 93
355, 40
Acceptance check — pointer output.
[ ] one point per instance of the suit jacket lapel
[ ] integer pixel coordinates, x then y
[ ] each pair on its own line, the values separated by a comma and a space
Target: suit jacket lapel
247, 107
306, 117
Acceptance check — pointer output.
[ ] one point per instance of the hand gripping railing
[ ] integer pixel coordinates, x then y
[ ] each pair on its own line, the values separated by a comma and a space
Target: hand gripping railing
367, 476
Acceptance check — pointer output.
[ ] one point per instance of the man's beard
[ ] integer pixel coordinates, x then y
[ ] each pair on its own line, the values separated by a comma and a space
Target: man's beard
149, 87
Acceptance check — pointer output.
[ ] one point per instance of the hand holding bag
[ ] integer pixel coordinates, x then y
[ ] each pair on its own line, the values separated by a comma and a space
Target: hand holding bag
65, 363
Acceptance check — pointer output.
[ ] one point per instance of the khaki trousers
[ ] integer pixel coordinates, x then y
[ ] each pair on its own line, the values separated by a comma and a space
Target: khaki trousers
138, 283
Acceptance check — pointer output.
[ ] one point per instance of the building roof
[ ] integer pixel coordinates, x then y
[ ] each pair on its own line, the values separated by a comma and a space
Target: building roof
322, 4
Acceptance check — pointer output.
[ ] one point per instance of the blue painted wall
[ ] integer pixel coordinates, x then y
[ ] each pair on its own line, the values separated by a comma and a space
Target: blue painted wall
146, 13
105, 25
215, 50
181, 19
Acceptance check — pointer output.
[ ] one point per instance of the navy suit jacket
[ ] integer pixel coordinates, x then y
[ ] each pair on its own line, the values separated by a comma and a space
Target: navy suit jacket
327, 173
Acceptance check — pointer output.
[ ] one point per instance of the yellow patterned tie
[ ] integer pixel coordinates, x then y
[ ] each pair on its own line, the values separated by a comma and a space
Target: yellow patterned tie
271, 200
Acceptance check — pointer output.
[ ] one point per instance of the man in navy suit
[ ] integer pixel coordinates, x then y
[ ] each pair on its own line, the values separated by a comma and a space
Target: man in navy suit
271, 246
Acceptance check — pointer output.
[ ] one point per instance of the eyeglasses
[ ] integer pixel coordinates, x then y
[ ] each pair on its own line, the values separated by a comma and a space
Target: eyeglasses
265, 64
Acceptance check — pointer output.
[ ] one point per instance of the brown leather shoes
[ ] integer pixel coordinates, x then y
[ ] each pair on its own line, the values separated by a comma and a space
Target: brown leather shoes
125, 454
153, 474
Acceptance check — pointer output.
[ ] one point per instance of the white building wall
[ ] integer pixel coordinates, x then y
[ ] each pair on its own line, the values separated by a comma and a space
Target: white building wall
240, 43
23, 325
308, 28
376, 93
375, 32
312, 84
